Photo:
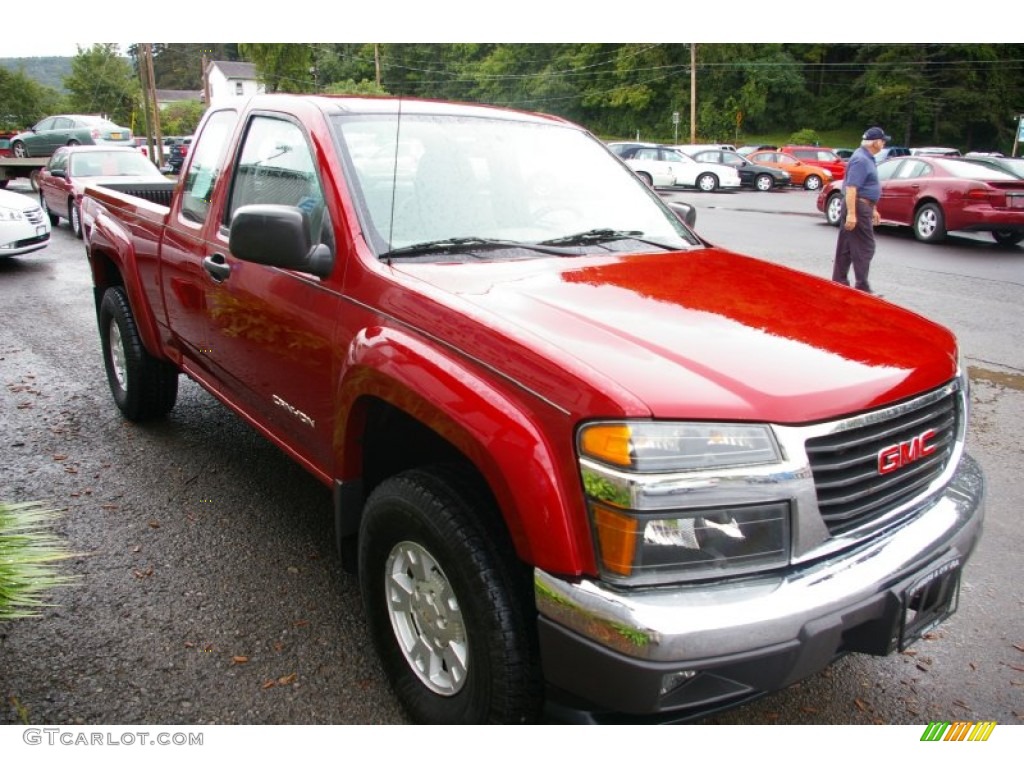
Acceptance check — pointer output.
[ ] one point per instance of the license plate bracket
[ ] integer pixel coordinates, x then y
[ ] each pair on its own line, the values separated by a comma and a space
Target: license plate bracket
929, 600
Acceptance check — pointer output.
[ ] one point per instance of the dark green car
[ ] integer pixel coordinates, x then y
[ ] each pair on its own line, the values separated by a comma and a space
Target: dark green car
68, 130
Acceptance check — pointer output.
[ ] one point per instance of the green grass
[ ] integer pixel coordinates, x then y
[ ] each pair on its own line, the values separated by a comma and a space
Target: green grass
29, 557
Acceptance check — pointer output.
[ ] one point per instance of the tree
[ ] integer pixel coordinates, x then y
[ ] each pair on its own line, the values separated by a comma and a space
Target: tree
283, 67
102, 82
24, 101
181, 118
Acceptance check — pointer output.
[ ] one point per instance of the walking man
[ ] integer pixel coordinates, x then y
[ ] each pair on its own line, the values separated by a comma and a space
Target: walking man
859, 217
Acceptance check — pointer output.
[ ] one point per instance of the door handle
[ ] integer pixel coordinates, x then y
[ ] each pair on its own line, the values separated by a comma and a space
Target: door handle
217, 267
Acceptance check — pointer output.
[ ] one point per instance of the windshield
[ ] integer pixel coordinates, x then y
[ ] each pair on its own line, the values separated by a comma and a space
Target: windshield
457, 182
112, 164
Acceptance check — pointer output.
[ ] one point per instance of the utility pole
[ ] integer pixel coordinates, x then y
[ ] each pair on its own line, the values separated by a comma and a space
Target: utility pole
206, 82
693, 93
143, 75
376, 61
1018, 137
156, 107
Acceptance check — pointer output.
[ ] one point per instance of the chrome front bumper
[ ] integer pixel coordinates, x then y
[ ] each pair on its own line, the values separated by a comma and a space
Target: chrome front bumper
800, 619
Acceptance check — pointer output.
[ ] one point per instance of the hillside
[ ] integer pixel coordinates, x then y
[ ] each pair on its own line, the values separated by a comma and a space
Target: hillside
45, 70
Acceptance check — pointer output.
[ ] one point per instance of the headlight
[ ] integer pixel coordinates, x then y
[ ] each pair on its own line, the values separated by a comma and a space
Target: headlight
667, 502
11, 214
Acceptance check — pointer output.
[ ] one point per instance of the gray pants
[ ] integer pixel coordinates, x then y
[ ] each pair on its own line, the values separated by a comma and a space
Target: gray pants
855, 247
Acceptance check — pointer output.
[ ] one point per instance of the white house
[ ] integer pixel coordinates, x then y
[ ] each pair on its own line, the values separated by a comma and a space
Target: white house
231, 79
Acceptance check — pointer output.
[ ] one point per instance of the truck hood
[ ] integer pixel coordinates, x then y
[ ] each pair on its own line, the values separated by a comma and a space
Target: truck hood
700, 334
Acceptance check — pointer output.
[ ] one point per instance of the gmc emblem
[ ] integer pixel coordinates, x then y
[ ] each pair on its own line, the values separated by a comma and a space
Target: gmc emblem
899, 455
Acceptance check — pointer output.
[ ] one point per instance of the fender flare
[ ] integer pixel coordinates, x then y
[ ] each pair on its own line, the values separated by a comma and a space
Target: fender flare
533, 481
111, 255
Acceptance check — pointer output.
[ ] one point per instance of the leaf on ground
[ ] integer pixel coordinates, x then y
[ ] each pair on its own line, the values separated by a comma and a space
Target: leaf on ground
267, 684
154, 523
239, 659
287, 679
861, 705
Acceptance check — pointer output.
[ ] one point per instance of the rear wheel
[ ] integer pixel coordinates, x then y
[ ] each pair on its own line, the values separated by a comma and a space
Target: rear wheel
707, 182
19, 149
929, 224
143, 387
1007, 238
813, 182
834, 208
764, 183
449, 608
74, 142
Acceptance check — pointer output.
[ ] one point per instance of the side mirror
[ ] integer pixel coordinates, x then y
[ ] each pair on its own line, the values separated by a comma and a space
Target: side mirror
278, 236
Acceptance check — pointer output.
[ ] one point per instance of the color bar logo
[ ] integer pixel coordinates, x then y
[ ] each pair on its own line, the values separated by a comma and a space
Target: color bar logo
958, 731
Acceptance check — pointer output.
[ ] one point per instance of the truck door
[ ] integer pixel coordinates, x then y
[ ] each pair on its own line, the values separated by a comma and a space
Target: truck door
270, 328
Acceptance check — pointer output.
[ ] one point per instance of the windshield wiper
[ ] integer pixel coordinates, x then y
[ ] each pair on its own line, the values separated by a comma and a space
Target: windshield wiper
605, 236
464, 245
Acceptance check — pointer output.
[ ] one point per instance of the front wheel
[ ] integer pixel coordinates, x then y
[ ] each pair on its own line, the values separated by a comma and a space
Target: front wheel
53, 217
1007, 238
764, 183
813, 182
929, 224
707, 182
834, 208
143, 386
75, 218
19, 149
448, 607
645, 178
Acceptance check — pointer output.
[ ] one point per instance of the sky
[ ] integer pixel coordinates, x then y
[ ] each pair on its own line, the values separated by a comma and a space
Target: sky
538, 21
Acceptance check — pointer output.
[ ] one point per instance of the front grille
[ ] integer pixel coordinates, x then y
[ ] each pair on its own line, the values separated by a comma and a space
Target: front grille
851, 488
34, 215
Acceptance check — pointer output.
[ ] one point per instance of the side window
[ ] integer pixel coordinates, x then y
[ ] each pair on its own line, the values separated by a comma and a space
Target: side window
207, 163
276, 166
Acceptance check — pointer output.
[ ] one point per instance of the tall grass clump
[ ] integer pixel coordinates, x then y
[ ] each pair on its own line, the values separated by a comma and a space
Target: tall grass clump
29, 555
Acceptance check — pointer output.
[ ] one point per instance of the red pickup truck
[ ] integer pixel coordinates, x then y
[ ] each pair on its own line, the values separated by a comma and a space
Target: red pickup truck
587, 465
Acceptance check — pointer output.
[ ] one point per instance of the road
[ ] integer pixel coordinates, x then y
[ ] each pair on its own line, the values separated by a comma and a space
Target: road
207, 587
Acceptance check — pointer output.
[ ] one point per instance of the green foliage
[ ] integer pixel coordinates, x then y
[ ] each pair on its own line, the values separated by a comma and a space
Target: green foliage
23, 101
804, 136
181, 118
29, 552
283, 67
102, 83
350, 87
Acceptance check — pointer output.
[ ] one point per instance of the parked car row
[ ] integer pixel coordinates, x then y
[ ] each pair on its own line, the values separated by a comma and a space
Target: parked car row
934, 195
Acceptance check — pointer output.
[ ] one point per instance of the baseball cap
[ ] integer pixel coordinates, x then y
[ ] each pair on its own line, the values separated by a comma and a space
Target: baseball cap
873, 134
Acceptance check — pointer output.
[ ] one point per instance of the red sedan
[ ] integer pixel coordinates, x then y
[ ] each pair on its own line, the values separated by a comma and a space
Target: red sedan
936, 195
64, 178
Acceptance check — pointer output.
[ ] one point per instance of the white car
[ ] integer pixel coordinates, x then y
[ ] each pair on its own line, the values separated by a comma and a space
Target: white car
666, 167
23, 225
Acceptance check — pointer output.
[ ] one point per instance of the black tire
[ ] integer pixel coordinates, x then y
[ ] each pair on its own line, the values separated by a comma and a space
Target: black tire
645, 178
18, 149
929, 224
75, 218
1007, 238
707, 182
813, 182
439, 585
3, 183
834, 208
143, 387
74, 143
764, 183
54, 218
